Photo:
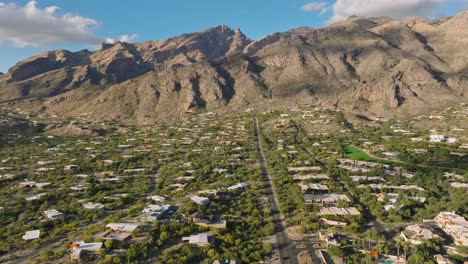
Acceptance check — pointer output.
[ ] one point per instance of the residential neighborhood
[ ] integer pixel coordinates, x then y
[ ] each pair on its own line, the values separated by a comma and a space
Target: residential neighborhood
205, 190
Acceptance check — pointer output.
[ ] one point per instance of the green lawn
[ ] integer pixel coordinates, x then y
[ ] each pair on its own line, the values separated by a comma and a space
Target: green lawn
356, 153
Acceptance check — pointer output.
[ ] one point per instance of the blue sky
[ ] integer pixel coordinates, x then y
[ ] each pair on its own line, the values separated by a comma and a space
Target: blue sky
96, 20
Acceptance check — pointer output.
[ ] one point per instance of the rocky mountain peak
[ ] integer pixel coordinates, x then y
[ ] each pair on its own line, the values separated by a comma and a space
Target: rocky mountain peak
382, 64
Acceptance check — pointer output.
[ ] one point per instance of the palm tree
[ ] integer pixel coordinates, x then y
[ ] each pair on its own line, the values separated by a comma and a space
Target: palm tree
405, 247
398, 245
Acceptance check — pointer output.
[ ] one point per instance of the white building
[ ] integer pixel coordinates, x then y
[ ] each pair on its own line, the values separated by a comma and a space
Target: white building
199, 239
158, 198
238, 186
437, 138
53, 214
30, 235
91, 205
200, 200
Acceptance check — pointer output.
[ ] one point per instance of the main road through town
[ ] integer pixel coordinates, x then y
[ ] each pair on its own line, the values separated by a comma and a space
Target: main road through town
287, 252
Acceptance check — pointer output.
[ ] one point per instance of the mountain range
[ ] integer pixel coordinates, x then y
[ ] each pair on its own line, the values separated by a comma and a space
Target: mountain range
378, 66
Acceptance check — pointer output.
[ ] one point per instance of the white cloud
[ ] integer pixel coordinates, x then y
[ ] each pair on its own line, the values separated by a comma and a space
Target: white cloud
314, 6
122, 38
34, 26
393, 8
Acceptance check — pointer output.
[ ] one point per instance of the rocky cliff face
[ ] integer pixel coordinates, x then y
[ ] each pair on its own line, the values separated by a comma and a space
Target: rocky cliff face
379, 65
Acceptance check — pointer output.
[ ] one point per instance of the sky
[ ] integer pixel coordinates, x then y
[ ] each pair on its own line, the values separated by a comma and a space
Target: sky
31, 27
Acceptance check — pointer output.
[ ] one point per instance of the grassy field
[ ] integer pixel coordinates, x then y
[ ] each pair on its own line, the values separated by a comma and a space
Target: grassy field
356, 153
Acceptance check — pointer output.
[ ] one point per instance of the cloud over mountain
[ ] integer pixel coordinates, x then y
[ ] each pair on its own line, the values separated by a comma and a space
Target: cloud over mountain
315, 6
393, 8
33, 26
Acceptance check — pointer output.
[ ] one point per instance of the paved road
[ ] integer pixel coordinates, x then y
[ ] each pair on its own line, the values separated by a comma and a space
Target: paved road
287, 251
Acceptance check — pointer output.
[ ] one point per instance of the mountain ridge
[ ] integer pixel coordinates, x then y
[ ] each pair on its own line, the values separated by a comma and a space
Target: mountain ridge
382, 65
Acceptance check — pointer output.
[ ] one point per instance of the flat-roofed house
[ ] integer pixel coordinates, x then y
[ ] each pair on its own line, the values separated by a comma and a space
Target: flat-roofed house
91, 205
30, 235
200, 200
157, 212
120, 231
327, 198
313, 186
53, 214
199, 239
339, 211
454, 225
298, 177
416, 234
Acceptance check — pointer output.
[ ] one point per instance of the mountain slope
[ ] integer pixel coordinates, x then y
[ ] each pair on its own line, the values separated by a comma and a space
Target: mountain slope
377, 65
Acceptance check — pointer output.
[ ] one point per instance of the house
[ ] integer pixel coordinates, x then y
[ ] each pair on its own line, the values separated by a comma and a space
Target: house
69, 167
238, 186
443, 260
88, 246
32, 184
34, 196
134, 170
437, 138
454, 225
79, 188
79, 247
362, 166
199, 219
199, 239
91, 205
416, 234
453, 176
219, 170
390, 154
53, 214
30, 235
441, 138
7, 176
200, 200
382, 186
339, 211
158, 198
366, 178
313, 186
185, 178
107, 162
328, 198
157, 212
303, 169
459, 185
176, 186
299, 177
46, 162
44, 170
110, 180
329, 239
120, 231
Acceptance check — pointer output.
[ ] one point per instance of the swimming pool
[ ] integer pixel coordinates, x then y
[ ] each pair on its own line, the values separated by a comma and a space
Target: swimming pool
386, 261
